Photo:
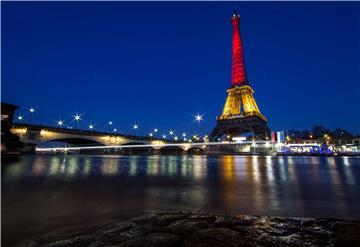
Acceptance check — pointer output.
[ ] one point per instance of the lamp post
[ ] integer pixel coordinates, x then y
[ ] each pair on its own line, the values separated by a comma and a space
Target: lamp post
110, 124
20, 118
135, 127
60, 123
77, 118
32, 110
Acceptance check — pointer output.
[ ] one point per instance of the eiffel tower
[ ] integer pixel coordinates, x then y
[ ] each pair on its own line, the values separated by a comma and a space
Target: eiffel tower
241, 113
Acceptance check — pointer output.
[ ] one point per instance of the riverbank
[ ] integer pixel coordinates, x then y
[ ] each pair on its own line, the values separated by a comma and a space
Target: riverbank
185, 228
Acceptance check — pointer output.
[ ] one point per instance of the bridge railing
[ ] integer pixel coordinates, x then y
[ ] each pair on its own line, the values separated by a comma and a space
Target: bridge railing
80, 131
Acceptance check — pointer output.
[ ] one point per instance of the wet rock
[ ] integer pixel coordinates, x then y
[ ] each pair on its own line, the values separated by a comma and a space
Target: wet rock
215, 237
187, 226
308, 222
346, 234
161, 239
201, 229
144, 219
228, 221
78, 241
122, 236
115, 227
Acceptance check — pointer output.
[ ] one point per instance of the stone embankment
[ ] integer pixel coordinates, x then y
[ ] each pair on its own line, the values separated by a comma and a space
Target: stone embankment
202, 229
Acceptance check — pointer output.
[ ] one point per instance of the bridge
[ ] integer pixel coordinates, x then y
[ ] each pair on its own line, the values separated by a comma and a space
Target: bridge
76, 140
37, 134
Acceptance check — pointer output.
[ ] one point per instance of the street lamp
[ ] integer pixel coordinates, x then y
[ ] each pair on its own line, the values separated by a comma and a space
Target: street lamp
91, 126
156, 130
60, 123
164, 136
77, 118
198, 118
115, 130
135, 127
20, 118
171, 132
110, 123
32, 110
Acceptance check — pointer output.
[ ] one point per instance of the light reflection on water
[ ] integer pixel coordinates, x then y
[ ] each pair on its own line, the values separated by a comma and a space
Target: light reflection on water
64, 188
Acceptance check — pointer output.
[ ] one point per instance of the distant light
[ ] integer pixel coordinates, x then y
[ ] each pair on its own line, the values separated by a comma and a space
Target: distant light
32, 109
184, 139
164, 136
135, 126
175, 138
77, 117
20, 117
155, 130
115, 130
151, 134
110, 123
198, 118
60, 123
171, 132
184, 134
91, 126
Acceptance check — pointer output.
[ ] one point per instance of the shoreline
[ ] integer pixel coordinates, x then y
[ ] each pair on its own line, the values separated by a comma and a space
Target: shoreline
186, 228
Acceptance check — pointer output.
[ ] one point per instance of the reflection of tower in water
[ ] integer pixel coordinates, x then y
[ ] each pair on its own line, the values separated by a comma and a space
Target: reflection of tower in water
229, 181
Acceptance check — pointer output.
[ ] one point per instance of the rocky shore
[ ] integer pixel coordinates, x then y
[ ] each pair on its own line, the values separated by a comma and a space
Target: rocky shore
202, 229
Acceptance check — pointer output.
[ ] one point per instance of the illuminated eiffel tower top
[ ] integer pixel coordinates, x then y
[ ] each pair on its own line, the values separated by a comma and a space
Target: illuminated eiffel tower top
239, 76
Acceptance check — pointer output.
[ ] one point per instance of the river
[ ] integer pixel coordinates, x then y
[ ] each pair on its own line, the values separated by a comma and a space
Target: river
42, 192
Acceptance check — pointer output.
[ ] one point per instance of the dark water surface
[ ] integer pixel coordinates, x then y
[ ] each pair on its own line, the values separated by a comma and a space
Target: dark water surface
41, 192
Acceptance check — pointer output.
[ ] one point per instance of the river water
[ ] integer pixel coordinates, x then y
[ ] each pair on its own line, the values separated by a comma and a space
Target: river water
41, 192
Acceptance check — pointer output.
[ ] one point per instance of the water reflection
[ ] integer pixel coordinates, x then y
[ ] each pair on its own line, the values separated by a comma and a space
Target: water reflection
297, 186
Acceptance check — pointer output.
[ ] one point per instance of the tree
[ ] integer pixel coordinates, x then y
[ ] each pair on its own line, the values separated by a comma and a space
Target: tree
341, 134
319, 131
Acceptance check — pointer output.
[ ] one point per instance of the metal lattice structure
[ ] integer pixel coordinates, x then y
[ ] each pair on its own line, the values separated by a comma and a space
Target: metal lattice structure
241, 113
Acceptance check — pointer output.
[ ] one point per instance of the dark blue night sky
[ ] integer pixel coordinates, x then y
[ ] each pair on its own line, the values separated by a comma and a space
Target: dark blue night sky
158, 64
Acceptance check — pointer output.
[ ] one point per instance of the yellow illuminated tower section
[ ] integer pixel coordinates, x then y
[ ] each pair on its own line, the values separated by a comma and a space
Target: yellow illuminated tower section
241, 113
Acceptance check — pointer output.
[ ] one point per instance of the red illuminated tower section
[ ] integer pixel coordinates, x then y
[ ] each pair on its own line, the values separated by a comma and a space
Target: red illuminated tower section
241, 113
238, 76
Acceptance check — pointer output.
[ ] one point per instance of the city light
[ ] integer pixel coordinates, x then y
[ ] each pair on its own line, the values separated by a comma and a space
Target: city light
164, 136
110, 123
115, 130
32, 110
171, 132
198, 118
20, 117
175, 138
155, 130
184, 134
91, 126
60, 123
77, 117
135, 127
151, 134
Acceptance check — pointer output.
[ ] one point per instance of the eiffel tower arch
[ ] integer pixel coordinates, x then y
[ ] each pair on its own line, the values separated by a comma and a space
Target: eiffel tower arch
241, 114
